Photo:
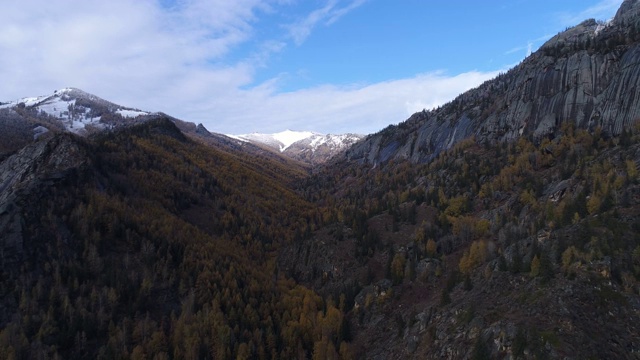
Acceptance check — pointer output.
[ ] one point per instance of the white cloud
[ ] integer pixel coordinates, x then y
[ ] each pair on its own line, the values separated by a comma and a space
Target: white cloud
328, 14
175, 59
516, 49
531, 46
358, 108
124, 49
340, 12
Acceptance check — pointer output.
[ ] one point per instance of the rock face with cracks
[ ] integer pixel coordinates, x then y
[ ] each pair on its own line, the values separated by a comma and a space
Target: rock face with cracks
588, 76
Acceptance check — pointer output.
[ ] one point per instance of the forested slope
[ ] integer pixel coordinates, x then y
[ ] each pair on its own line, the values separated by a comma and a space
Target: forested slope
522, 249
141, 243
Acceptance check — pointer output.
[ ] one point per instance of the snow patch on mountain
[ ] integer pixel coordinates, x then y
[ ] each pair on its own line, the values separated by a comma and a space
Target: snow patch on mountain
602, 25
131, 113
306, 146
38, 100
337, 142
237, 137
280, 141
288, 137
74, 108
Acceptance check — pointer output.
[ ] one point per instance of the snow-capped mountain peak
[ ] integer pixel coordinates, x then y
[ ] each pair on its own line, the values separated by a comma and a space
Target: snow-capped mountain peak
288, 137
74, 109
280, 141
306, 146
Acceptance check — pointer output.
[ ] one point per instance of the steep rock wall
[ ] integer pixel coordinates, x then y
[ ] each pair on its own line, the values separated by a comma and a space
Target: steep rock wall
588, 75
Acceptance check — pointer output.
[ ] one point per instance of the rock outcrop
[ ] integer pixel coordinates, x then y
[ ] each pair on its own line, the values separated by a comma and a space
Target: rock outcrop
202, 131
588, 76
24, 176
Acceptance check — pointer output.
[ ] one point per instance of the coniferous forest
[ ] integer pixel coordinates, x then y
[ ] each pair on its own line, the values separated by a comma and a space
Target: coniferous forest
504, 224
158, 247
155, 246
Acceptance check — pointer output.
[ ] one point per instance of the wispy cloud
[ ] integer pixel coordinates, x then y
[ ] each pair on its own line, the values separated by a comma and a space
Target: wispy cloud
530, 46
136, 46
175, 59
354, 108
340, 12
328, 14
515, 50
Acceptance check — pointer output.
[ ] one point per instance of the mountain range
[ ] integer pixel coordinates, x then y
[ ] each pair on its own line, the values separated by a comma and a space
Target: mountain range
76, 111
504, 224
305, 146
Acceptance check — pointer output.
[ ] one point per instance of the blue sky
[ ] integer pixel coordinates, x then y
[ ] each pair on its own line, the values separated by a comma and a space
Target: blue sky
241, 66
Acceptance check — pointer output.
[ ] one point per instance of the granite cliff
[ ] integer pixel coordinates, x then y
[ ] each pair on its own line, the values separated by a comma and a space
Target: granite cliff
588, 75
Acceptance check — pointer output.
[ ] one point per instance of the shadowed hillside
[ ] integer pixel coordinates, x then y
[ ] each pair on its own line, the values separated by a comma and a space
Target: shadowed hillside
521, 250
505, 224
142, 242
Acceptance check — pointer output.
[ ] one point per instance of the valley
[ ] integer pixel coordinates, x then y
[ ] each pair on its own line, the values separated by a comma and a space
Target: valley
504, 224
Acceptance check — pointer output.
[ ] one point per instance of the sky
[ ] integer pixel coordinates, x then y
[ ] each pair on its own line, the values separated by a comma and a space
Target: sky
243, 66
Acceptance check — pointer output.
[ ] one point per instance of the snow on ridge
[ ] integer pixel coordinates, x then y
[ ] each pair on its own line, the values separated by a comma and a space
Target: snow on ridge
77, 125
281, 141
288, 137
30, 101
37, 100
131, 113
602, 25
7, 105
335, 141
318, 141
285, 139
63, 90
74, 108
237, 137
27, 101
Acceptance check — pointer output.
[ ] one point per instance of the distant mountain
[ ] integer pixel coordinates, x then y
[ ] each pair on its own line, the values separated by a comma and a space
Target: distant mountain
305, 146
28, 119
587, 76
25, 120
75, 110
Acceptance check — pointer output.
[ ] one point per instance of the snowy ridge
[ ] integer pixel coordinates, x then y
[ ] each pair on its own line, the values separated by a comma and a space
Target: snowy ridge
302, 145
288, 137
131, 113
238, 137
338, 142
280, 141
75, 109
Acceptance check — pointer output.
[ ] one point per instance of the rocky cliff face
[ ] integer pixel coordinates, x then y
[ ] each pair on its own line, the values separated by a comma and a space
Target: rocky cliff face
588, 76
24, 177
